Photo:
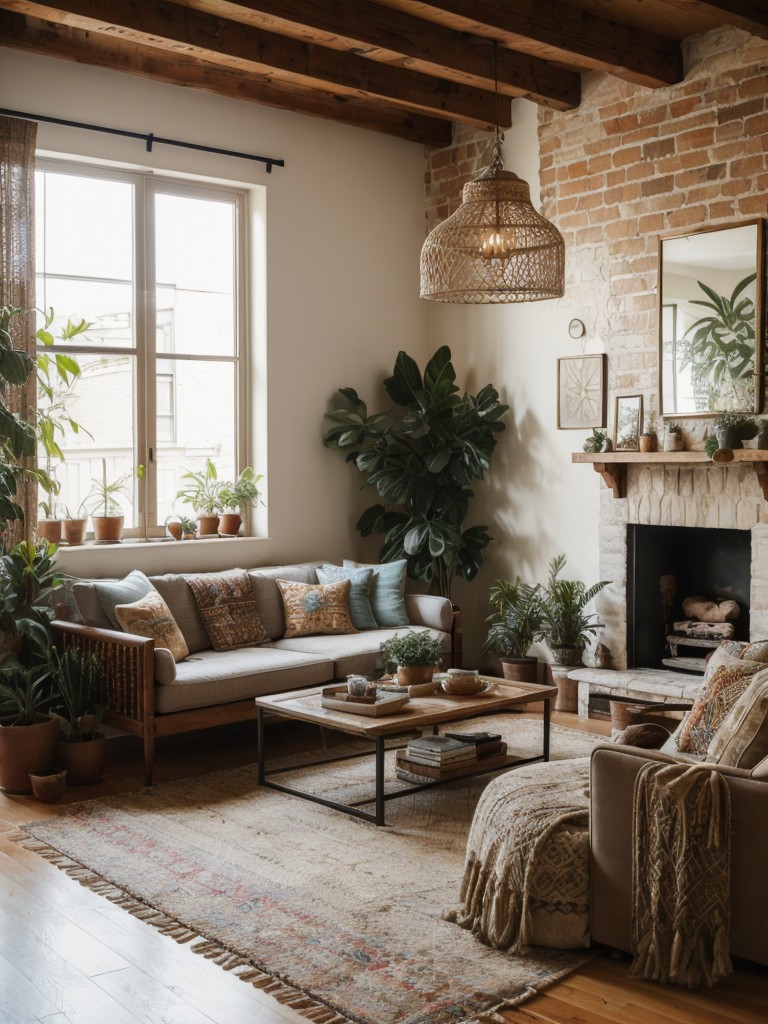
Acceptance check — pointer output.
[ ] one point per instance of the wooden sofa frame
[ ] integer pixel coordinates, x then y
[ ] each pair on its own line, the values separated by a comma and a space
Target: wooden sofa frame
128, 686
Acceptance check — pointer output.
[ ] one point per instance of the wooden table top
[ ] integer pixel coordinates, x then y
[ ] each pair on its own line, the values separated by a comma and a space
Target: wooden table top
306, 706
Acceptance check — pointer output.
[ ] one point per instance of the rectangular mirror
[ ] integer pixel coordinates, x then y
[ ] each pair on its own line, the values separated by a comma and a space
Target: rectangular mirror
711, 321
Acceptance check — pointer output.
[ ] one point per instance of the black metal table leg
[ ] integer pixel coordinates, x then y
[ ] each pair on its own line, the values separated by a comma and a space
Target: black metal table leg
260, 741
547, 716
379, 780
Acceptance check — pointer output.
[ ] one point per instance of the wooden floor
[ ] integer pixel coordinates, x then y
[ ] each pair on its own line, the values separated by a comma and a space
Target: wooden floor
68, 956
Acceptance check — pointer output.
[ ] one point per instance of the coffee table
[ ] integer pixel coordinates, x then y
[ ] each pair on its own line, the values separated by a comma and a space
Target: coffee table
419, 713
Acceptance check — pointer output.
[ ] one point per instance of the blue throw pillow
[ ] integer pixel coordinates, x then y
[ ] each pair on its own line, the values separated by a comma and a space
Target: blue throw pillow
125, 591
360, 610
387, 591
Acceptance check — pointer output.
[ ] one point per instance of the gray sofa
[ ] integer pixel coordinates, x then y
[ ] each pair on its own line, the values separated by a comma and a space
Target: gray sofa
148, 695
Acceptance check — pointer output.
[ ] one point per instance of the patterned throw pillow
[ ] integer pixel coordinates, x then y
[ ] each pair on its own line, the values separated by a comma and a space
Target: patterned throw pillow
150, 616
387, 591
725, 686
227, 607
311, 608
360, 610
742, 739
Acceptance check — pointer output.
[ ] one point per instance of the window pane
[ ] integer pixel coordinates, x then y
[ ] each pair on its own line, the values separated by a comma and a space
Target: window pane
195, 267
203, 425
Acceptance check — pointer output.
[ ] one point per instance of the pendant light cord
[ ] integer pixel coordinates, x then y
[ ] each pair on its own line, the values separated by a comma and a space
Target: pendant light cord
496, 163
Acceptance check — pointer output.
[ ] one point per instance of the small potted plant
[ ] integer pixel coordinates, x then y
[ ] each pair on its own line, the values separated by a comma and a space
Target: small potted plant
673, 437
235, 498
648, 440
414, 654
181, 527
567, 625
104, 507
49, 524
81, 747
74, 527
203, 493
732, 429
598, 441
513, 625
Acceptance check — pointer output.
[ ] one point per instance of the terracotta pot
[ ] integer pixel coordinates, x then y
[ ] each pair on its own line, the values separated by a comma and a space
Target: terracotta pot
520, 670
25, 749
411, 675
48, 784
174, 529
229, 524
83, 761
108, 529
74, 531
50, 530
648, 443
207, 526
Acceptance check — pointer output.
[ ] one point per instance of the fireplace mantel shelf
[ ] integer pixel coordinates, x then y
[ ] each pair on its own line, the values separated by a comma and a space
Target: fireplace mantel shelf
612, 466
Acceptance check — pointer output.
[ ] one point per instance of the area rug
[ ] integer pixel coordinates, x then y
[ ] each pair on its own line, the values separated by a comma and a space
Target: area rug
337, 918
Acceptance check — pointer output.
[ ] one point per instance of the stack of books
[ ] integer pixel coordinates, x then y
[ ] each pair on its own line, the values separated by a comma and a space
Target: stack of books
443, 757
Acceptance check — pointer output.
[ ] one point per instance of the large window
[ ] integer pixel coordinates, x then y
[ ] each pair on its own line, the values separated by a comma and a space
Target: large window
155, 266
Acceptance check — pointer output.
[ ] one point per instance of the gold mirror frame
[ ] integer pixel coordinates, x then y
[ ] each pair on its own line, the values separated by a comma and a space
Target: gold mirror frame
709, 264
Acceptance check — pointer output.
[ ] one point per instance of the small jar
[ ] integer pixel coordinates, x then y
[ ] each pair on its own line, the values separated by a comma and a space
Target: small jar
357, 685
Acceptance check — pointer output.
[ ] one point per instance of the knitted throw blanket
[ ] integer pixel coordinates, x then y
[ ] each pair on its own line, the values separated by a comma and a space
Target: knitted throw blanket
681, 875
526, 875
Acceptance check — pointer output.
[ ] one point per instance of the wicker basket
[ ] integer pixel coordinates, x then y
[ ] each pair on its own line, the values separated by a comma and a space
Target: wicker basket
462, 684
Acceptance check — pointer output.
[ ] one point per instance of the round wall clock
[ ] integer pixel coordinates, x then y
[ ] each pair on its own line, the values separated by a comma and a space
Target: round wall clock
576, 328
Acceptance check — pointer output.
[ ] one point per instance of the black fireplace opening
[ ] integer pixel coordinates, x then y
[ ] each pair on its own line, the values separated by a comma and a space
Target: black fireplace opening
666, 565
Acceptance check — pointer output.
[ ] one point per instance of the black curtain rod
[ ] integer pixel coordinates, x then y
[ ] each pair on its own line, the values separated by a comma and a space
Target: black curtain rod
150, 139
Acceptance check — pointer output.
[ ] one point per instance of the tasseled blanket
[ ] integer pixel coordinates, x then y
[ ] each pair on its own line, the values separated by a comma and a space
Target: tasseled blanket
526, 875
681, 875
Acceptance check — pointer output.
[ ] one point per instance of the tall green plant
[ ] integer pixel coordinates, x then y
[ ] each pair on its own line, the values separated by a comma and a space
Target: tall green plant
566, 622
720, 347
516, 619
422, 456
17, 436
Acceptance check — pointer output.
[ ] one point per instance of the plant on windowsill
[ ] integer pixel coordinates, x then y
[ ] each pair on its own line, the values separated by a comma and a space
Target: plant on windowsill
105, 509
74, 527
235, 497
49, 524
414, 655
422, 457
514, 624
180, 527
81, 747
203, 493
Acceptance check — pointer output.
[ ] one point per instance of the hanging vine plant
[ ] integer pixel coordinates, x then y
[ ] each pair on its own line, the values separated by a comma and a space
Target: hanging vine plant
422, 456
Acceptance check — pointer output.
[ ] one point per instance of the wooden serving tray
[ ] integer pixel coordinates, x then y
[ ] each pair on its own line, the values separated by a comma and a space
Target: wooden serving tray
337, 698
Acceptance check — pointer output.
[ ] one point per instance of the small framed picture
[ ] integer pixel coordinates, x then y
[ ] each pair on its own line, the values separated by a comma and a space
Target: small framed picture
628, 423
581, 387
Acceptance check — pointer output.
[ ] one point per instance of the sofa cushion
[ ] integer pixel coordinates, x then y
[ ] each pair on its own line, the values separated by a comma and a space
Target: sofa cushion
430, 610
725, 686
387, 591
96, 599
269, 602
358, 654
742, 739
227, 607
221, 677
173, 588
151, 617
311, 608
360, 610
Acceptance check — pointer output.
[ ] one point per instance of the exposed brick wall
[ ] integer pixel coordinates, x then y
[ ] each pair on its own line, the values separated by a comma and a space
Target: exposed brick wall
632, 163
450, 168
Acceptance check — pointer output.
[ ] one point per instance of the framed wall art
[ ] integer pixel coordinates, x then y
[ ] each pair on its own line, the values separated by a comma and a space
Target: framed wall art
628, 423
581, 388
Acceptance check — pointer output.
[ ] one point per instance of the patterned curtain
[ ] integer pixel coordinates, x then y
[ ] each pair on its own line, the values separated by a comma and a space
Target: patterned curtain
17, 275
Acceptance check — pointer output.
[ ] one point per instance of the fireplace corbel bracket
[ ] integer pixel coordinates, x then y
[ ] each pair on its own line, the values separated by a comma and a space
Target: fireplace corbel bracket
761, 469
615, 476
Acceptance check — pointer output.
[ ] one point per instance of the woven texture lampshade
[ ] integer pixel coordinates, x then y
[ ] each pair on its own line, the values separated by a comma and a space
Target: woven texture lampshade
495, 247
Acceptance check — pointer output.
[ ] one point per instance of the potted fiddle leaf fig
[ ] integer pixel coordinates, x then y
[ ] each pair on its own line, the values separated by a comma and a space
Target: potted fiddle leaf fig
423, 456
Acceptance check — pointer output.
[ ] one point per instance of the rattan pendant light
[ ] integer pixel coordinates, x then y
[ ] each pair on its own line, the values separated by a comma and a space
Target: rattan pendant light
495, 247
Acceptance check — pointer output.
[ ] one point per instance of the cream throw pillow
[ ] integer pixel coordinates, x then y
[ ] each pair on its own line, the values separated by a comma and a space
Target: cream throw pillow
150, 616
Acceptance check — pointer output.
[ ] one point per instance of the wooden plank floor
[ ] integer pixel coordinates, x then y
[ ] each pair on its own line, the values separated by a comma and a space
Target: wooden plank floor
68, 956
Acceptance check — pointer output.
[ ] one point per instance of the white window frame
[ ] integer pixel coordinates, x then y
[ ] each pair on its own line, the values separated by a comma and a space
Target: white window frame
145, 185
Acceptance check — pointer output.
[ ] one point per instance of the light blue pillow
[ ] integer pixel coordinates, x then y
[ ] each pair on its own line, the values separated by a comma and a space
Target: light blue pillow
360, 610
125, 591
387, 591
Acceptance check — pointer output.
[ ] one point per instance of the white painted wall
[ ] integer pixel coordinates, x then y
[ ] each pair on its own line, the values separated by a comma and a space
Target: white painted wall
344, 227
535, 501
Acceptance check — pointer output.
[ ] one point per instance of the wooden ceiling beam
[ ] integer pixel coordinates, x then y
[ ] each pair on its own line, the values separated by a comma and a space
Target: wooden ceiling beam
561, 32
393, 37
118, 54
180, 30
750, 15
